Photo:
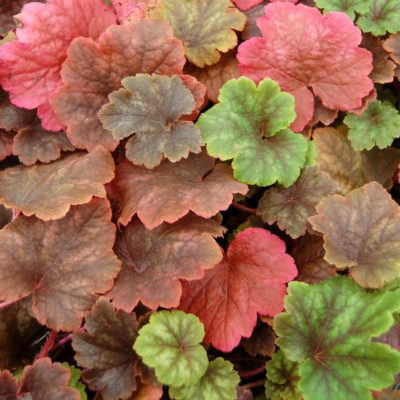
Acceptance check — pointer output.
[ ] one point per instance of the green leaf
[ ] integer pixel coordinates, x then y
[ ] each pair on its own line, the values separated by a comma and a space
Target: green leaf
75, 382
383, 16
170, 343
282, 379
250, 125
327, 328
218, 383
377, 126
350, 7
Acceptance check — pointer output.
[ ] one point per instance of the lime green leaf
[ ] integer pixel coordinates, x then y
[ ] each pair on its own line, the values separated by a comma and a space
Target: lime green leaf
250, 125
170, 343
378, 125
350, 7
282, 378
218, 383
383, 16
327, 328
74, 381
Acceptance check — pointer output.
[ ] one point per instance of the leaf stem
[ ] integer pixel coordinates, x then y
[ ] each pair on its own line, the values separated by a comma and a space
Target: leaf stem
5, 304
15, 213
254, 384
256, 371
48, 345
243, 208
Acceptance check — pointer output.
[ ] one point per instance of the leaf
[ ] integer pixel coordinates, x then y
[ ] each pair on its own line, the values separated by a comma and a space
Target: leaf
6, 143
218, 383
33, 144
154, 261
360, 232
151, 107
5, 216
249, 125
349, 7
105, 351
9, 8
290, 207
170, 343
262, 341
48, 191
332, 341
351, 169
30, 68
246, 4
75, 382
206, 27
60, 264
248, 281
90, 73
282, 379
8, 386
195, 184
377, 126
383, 16
329, 64
392, 45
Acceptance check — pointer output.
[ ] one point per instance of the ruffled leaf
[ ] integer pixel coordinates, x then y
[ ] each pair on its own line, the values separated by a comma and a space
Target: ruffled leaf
91, 72
151, 107
75, 381
154, 261
262, 341
61, 265
9, 8
369, 220
218, 383
170, 343
377, 126
195, 184
245, 283
328, 64
248, 125
246, 4
350, 7
332, 341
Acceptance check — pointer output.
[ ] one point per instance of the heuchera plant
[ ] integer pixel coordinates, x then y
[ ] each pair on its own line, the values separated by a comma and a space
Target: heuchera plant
199, 199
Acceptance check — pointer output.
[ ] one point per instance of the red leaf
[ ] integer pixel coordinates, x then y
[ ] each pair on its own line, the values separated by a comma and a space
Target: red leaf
309, 54
250, 280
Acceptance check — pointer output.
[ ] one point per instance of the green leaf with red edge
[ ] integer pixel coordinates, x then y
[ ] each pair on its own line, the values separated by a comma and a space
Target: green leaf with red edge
154, 261
170, 343
90, 73
361, 232
61, 265
290, 207
105, 351
327, 328
49, 190
173, 189
249, 281
151, 107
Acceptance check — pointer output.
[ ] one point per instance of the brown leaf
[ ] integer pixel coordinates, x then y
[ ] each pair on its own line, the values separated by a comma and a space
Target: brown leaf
262, 341
8, 386
106, 352
154, 261
171, 190
392, 45
6, 142
48, 190
62, 264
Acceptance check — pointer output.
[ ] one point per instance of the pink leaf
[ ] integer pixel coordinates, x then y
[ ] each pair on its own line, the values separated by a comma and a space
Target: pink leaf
246, 4
251, 279
309, 54
30, 66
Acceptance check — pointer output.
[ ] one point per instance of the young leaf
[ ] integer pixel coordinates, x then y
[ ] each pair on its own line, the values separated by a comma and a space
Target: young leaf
377, 126
33, 144
328, 62
218, 383
153, 262
49, 190
206, 27
170, 343
61, 264
383, 16
90, 73
251, 279
195, 184
351, 169
30, 68
290, 207
369, 220
105, 351
332, 341
250, 126
151, 107
350, 7
282, 378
